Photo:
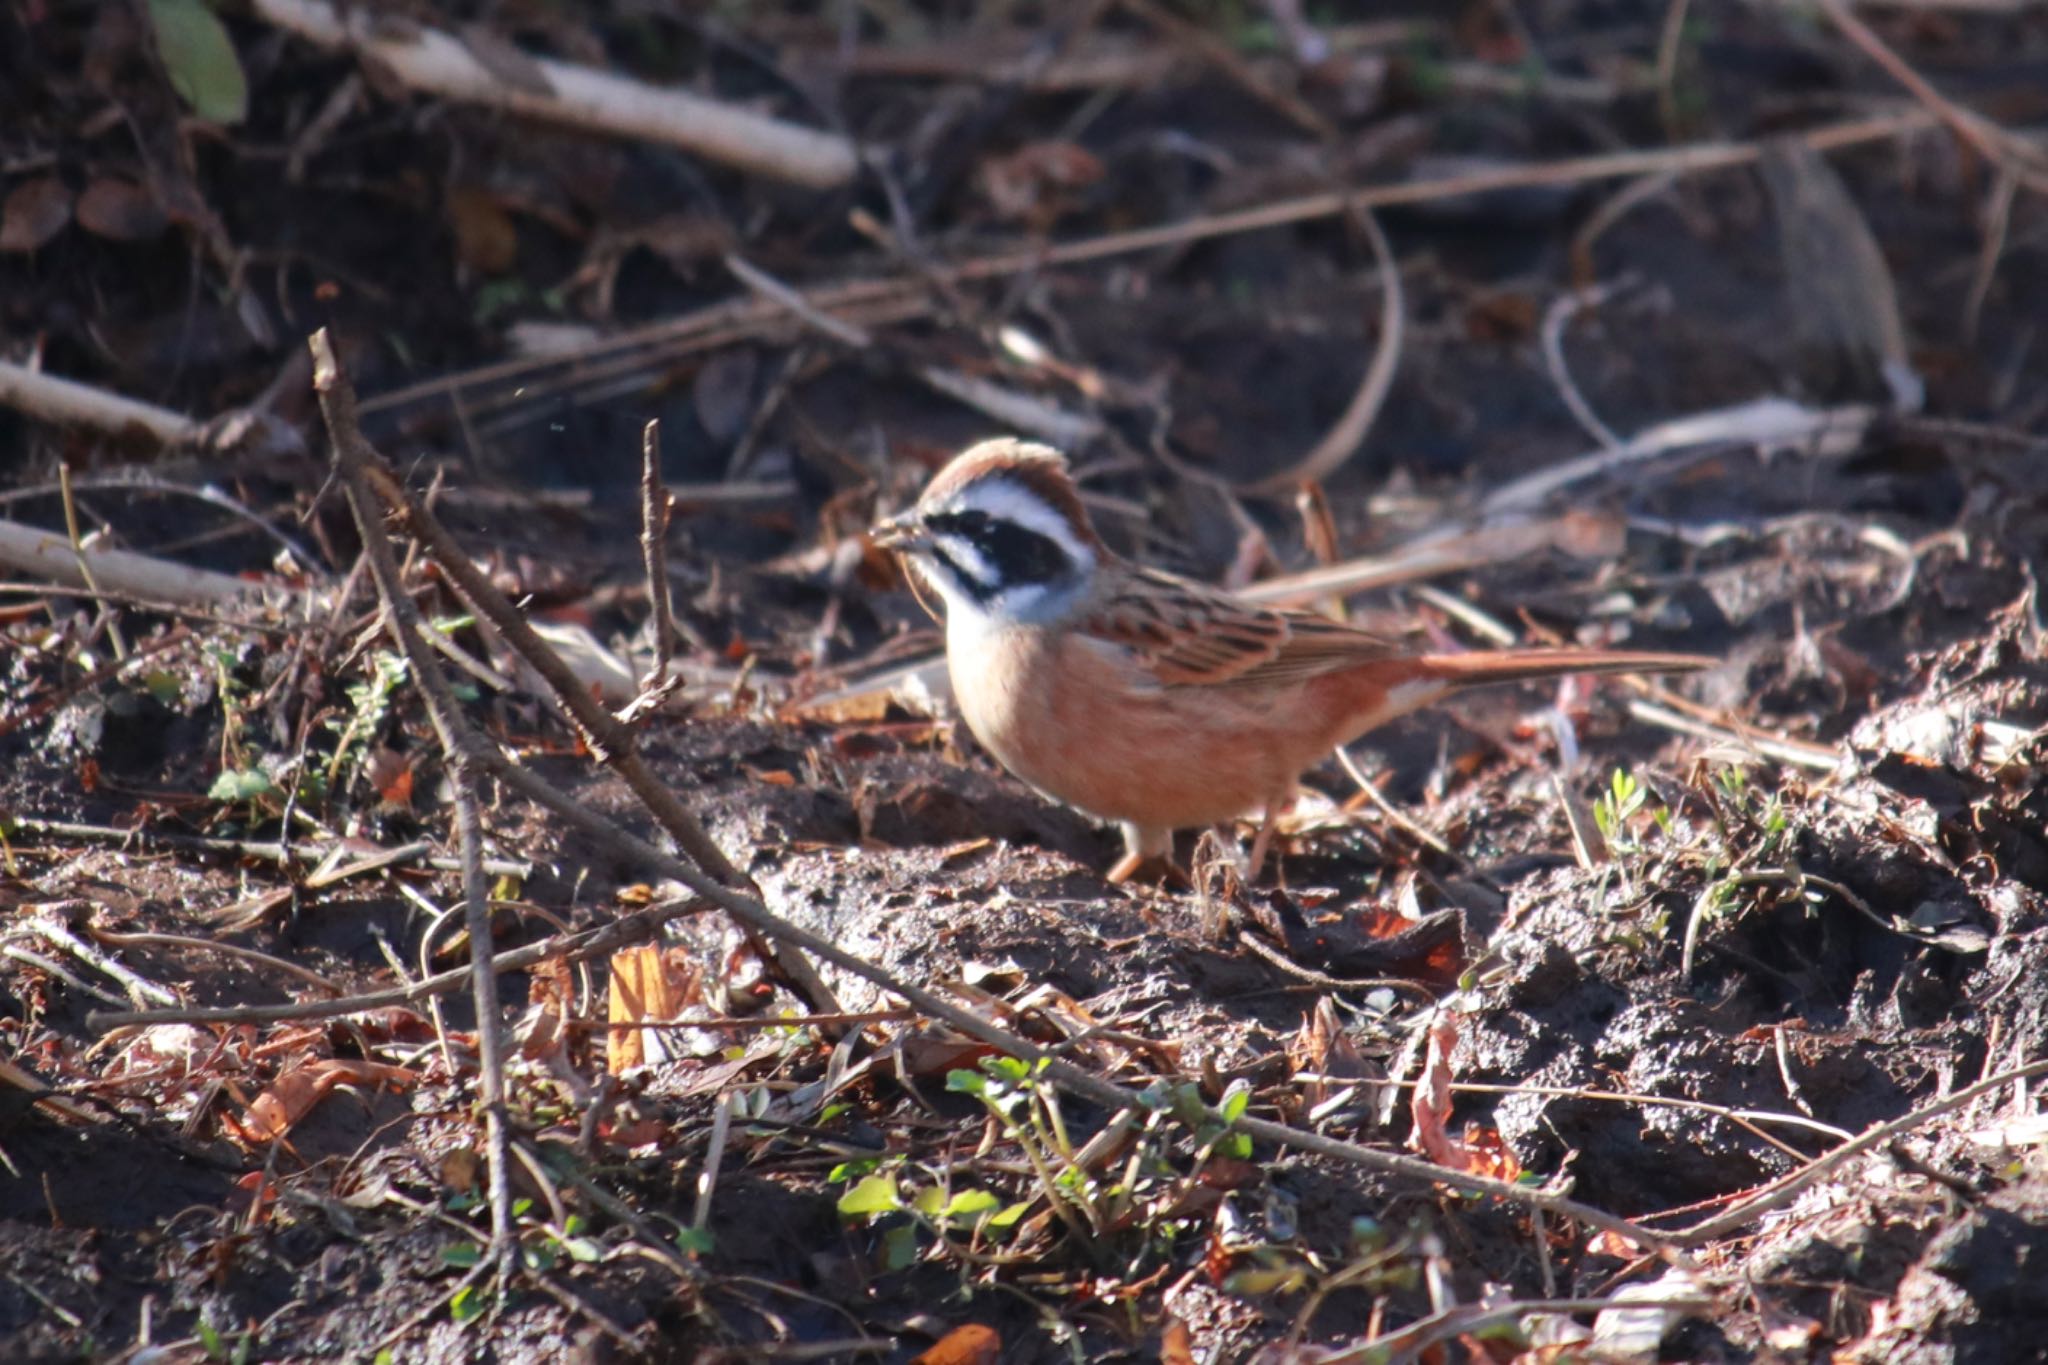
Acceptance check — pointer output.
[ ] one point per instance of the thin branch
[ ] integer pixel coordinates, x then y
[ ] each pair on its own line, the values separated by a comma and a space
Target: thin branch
1783, 1191
579, 96
1998, 146
261, 850
878, 301
1344, 438
654, 512
1556, 318
610, 739
66, 402
352, 458
121, 573
583, 946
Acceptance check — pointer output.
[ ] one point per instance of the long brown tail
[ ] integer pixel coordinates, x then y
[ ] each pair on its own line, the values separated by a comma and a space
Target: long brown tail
1429, 678
1478, 669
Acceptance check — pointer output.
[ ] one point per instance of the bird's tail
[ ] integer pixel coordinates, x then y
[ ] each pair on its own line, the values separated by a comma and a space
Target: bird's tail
1481, 668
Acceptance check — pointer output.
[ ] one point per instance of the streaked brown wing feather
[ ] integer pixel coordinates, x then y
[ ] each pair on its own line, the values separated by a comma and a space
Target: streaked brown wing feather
1188, 635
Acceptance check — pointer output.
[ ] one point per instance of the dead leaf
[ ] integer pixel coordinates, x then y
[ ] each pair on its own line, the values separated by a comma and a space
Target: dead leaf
1176, 1344
35, 211
1036, 183
642, 991
389, 774
1481, 1151
120, 211
972, 1344
1606, 1243
459, 1169
485, 238
294, 1093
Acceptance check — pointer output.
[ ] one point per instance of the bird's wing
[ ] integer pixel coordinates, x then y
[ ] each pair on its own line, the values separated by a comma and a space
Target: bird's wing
1187, 635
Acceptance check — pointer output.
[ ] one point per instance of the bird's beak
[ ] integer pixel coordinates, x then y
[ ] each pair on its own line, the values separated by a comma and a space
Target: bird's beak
905, 533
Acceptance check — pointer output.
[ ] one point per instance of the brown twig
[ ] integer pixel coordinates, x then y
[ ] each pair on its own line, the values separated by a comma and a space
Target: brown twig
1997, 145
1414, 1341
611, 740
654, 513
353, 460
208, 945
874, 302
583, 946
260, 850
579, 96
1343, 439
1784, 1190
1235, 68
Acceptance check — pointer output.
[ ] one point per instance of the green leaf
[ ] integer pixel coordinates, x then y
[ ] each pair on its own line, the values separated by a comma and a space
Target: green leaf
695, 1241
462, 1255
962, 1082
971, 1204
929, 1202
899, 1247
583, 1249
468, 1305
1011, 1070
243, 784
876, 1194
1236, 1100
1264, 1279
200, 59
1009, 1215
847, 1170
1236, 1146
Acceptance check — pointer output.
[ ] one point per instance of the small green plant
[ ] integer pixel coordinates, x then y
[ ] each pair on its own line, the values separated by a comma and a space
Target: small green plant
926, 1214
218, 1348
1615, 811
1622, 799
369, 706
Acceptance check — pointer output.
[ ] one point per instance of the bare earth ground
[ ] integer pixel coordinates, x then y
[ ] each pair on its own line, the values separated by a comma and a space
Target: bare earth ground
1816, 904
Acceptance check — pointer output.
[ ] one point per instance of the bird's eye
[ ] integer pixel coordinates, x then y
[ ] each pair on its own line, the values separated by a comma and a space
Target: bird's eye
966, 522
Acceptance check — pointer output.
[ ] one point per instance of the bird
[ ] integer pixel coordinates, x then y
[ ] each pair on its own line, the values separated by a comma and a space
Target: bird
1148, 700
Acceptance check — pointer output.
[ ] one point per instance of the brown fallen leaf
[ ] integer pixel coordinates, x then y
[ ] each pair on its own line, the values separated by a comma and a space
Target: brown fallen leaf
485, 239
35, 211
1480, 1152
294, 1093
120, 211
971, 1344
643, 990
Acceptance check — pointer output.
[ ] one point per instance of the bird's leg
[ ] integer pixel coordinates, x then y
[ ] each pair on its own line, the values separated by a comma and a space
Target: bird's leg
1263, 840
1146, 850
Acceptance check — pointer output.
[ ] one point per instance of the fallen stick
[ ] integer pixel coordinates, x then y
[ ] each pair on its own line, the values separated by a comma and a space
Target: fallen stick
121, 573
579, 96
66, 402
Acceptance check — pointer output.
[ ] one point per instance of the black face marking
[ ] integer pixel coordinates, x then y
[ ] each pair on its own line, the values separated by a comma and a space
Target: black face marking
1018, 554
967, 582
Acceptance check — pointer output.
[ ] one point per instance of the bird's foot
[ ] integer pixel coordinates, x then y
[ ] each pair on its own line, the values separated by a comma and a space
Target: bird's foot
1159, 869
